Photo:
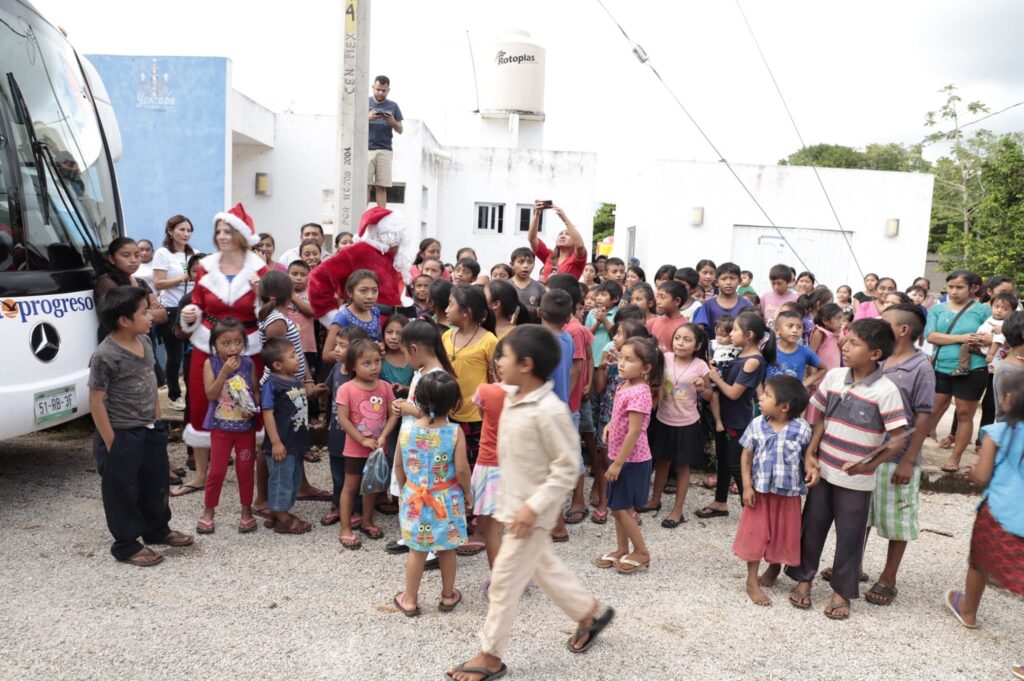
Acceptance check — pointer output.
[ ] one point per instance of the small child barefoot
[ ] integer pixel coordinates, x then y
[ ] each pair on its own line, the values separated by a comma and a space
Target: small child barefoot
769, 576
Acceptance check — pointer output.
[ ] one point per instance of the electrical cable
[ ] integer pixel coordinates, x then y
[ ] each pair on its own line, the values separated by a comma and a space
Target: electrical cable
803, 144
642, 56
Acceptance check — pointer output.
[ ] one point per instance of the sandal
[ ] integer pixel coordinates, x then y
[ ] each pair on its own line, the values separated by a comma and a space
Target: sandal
800, 599
947, 442
319, 495
648, 509
880, 594
708, 512
485, 674
448, 607
260, 511
176, 539
350, 542
576, 516
830, 610
387, 508
292, 526
204, 526
187, 488
470, 548
146, 557
311, 457
950, 469
953, 605
560, 538
372, 531
411, 612
710, 482
591, 631
606, 561
599, 517
670, 524
669, 489
180, 472
628, 566
331, 518
246, 525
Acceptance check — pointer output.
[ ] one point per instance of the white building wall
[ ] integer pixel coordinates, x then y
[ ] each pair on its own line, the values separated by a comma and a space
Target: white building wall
301, 166
791, 195
512, 177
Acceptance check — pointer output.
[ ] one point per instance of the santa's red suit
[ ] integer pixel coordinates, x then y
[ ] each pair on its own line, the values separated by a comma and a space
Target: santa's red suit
215, 298
380, 250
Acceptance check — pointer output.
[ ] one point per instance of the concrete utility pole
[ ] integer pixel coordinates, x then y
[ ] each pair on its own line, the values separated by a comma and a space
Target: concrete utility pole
350, 188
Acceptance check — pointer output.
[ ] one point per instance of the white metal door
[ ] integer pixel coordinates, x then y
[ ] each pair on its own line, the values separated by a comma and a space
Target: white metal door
824, 252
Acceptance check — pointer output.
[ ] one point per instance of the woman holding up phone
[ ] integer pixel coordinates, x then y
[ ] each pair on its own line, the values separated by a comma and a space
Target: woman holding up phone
570, 254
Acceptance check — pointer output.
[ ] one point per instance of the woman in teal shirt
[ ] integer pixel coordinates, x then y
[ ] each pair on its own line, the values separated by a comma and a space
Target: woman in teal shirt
950, 325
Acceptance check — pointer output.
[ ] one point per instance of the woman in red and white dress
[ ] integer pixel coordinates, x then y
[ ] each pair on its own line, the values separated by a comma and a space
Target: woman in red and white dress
226, 286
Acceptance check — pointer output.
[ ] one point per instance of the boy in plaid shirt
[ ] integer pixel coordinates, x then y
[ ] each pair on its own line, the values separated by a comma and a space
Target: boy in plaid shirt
773, 481
860, 407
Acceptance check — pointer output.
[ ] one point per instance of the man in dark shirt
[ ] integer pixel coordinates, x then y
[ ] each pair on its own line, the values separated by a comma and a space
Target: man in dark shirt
385, 118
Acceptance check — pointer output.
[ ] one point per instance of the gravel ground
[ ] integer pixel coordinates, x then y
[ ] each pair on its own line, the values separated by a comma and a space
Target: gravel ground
266, 606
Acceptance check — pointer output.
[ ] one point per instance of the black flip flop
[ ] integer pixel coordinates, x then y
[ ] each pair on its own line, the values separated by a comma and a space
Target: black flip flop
488, 675
708, 512
415, 612
670, 524
448, 607
887, 595
644, 509
593, 629
578, 515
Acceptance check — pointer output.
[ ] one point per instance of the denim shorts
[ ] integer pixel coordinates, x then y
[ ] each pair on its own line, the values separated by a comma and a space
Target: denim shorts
586, 417
285, 477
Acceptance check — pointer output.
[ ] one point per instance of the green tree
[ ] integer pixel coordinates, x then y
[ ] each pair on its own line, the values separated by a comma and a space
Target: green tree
825, 156
604, 224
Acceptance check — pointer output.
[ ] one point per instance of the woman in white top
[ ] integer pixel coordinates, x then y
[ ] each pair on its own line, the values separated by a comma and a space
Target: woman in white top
145, 271
170, 278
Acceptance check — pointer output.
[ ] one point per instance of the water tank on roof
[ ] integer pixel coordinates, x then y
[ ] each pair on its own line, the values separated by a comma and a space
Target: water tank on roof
518, 64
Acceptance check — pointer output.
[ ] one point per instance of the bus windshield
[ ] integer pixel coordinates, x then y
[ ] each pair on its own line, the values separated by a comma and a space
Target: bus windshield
67, 212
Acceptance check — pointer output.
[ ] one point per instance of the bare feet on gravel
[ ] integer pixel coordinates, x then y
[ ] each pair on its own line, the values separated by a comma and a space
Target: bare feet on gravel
756, 595
769, 576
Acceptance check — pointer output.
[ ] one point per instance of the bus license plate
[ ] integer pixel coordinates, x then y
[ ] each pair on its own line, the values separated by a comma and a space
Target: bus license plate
55, 404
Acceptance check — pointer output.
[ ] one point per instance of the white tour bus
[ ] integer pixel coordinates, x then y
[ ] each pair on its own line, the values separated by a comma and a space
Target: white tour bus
59, 210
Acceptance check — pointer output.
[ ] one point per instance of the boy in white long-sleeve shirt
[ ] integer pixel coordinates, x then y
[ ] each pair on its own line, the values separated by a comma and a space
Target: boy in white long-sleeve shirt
539, 451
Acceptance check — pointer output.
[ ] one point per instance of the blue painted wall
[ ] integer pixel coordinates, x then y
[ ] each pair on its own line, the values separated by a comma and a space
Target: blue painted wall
172, 113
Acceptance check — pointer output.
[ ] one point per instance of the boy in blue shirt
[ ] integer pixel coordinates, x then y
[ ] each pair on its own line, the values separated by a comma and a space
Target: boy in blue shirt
727, 278
286, 420
554, 311
791, 358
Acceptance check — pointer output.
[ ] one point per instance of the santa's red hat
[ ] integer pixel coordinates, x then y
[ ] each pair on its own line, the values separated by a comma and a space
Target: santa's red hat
241, 222
371, 217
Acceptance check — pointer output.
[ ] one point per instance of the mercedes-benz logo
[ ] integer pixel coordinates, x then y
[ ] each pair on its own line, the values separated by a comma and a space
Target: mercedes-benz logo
45, 342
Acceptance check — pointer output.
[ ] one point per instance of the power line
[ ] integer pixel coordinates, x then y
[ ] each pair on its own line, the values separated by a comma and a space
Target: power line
986, 117
803, 145
641, 55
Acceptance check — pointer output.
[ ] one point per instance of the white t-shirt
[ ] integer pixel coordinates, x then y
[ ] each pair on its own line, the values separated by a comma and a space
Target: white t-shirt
691, 309
145, 273
174, 264
990, 326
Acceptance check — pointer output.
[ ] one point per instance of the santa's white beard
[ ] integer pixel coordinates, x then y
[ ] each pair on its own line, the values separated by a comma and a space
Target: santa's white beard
384, 242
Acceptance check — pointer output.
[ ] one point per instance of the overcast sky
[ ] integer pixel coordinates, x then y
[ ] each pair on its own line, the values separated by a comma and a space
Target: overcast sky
853, 73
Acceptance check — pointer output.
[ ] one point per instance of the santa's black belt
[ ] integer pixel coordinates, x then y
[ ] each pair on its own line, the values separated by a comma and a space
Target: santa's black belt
249, 326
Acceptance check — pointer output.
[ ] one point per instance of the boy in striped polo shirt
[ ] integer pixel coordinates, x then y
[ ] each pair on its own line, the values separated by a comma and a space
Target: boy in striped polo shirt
860, 406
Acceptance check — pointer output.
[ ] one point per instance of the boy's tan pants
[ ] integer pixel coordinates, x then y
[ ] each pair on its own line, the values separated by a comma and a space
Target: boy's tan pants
519, 561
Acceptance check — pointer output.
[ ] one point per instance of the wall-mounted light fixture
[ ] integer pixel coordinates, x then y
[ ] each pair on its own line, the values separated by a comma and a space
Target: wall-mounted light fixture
262, 184
697, 216
892, 227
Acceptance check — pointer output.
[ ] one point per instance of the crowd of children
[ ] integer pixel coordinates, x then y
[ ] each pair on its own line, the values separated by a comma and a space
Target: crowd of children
814, 407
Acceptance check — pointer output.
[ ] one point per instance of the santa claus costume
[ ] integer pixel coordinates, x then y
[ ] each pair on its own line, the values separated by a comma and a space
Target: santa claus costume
381, 248
215, 297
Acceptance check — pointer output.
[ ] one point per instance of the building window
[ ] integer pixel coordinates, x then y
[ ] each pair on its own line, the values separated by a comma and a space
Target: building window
396, 193
490, 217
525, 211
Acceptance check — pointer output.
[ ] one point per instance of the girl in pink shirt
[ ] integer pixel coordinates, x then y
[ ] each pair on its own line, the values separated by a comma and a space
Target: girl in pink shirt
677, 437
641, 368
825, 337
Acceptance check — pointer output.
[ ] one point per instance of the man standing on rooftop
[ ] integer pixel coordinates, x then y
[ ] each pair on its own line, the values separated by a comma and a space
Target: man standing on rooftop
385, 118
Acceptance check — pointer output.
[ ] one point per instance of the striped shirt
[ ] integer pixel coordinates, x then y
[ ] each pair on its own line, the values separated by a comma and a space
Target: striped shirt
293, 336
857, 416
778, 456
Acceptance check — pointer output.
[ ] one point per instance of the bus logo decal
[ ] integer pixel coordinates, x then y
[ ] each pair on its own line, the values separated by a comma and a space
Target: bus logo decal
27, 308
45, 342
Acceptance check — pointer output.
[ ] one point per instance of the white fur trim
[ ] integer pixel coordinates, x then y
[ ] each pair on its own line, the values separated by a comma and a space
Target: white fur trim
393, 222
200, 339
196, 438
260, 436
328, 318
191, 328
216, 283
251, 237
